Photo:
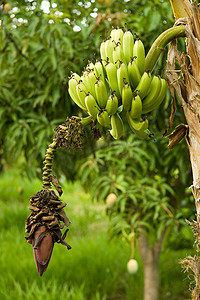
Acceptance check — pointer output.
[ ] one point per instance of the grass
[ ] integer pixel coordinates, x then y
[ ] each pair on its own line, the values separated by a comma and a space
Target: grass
94, 269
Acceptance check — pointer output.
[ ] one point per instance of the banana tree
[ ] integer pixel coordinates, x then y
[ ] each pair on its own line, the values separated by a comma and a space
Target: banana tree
185, 81
46, 208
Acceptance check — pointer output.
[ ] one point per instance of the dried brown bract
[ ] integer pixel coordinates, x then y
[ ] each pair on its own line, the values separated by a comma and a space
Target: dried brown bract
177, 135
44, 226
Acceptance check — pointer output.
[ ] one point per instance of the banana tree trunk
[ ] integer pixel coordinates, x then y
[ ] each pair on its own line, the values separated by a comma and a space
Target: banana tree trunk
186, 83
150, 257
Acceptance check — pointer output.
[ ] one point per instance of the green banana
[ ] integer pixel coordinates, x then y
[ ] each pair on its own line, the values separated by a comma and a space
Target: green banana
113, 34
99, 71
91, 105
103, 53
89, 79
117, 126
87, 120
128, 43
118, 36
136, 107
122, 76
109, 48
75, 76
112, 104
90, 66
73, 92
103, 118
111, 71
139, 54
144, 84
153, 93
127, 96
137, 124
81, 92
118, 54
160, 97
133, 73
101, 93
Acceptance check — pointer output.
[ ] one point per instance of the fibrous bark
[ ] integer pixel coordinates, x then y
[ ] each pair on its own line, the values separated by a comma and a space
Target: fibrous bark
186, 83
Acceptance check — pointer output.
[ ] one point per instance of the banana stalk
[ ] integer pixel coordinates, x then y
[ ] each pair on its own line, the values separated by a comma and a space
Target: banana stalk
160, 43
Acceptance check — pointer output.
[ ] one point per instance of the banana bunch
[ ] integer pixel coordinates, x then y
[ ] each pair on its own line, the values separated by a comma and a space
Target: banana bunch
118, 80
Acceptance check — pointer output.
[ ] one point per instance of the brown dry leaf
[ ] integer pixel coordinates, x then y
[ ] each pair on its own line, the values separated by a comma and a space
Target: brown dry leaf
55, 183
177, 135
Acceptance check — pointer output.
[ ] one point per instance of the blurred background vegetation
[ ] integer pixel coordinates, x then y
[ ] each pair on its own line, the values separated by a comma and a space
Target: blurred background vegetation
41, 42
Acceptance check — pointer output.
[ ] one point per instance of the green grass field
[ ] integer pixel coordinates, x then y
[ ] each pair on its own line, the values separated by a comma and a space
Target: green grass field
95, 267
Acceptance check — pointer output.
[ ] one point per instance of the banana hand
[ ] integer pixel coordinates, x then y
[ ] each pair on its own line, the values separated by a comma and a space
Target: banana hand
73, 91
159, 99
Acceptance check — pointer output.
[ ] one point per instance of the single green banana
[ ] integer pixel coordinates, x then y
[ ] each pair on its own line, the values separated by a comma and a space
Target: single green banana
128, 42
109, 48
133, 73
111, 72
101, 93
89, 79
103, 118
159, 99
99, 70
136, 107
112, 104
103, 53
90, 66
137, 124
122, 76
127, 96
117, 126
144, 84
87, 120
75, 76
118, 55
113, 34
81, 92
139, 53
153, 93
118, 36
92, 106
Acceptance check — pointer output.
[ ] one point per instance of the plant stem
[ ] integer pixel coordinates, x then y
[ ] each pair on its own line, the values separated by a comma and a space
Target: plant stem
133, 244
160, 43
46, 178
